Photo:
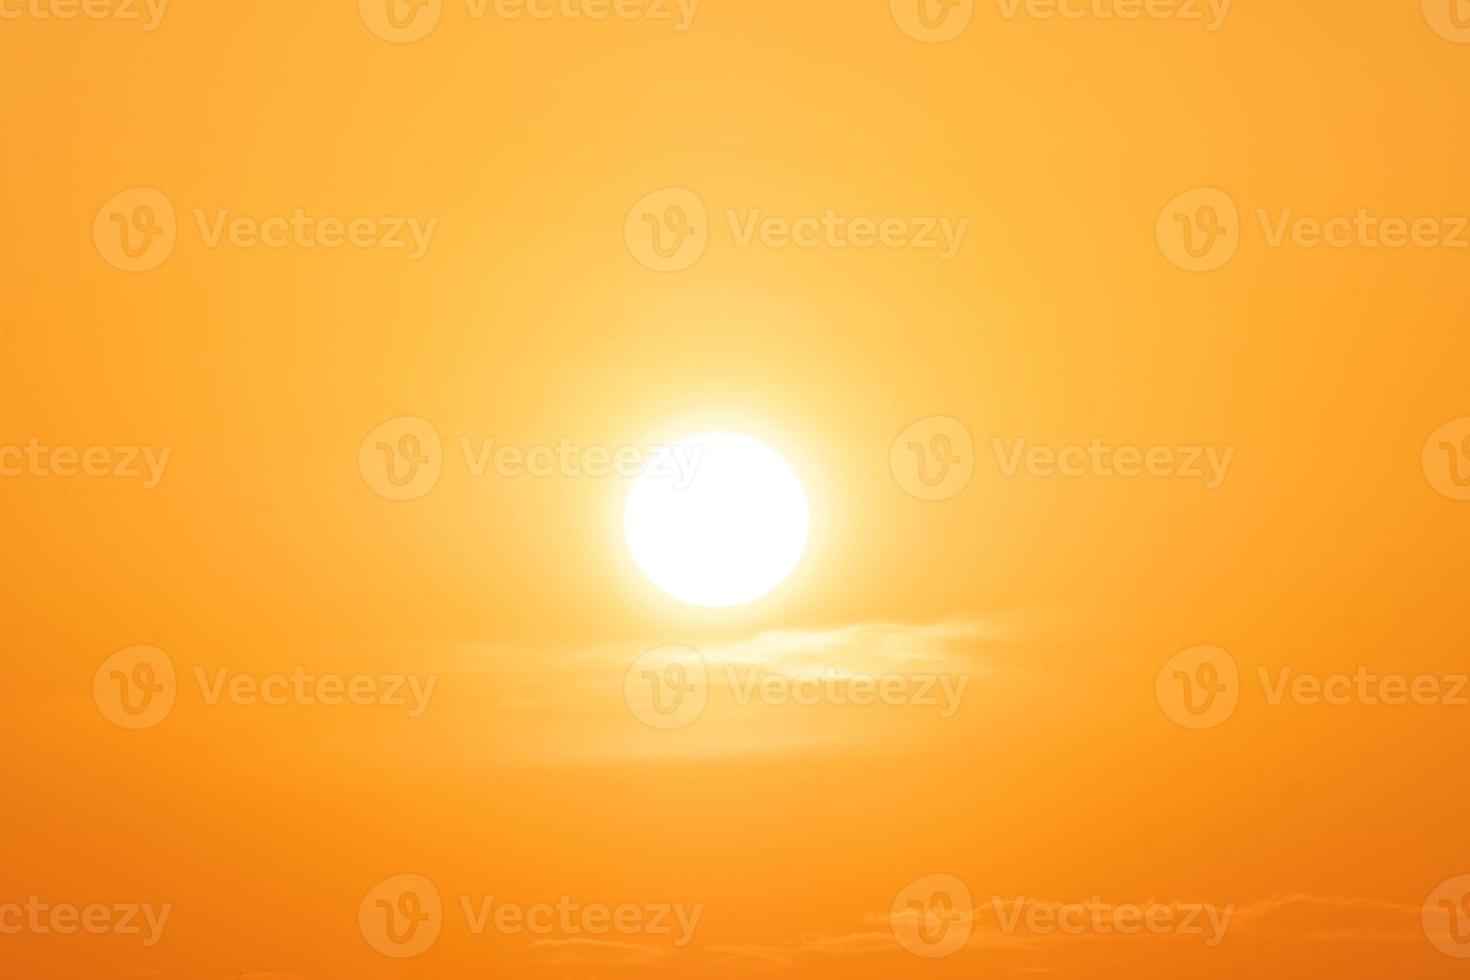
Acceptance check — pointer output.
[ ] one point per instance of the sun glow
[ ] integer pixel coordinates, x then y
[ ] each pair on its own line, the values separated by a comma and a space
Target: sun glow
717, 519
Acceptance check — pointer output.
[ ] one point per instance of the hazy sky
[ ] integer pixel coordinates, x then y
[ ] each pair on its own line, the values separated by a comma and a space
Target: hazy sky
1061, 245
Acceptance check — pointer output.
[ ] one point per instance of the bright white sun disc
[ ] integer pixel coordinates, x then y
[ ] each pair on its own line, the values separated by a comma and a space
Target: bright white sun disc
717, 519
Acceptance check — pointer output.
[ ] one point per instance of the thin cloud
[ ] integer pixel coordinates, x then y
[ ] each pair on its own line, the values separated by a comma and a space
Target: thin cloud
601, 951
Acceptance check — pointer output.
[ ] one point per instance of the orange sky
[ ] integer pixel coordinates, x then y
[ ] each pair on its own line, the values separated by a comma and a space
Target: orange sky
861, 228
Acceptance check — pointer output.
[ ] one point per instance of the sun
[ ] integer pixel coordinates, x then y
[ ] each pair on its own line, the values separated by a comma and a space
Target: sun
717, 519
